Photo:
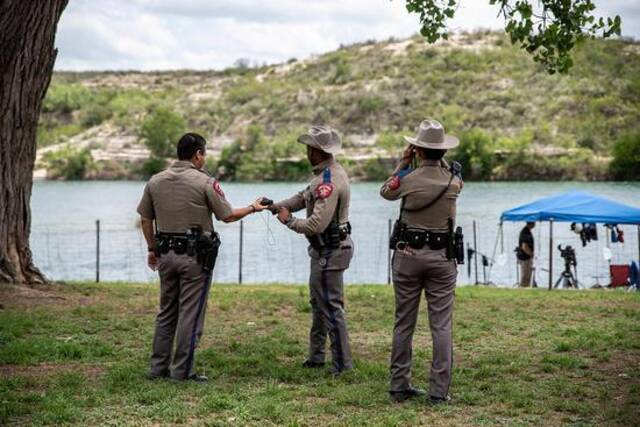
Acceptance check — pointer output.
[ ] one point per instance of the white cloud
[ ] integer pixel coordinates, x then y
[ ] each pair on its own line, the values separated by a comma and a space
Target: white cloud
203, 34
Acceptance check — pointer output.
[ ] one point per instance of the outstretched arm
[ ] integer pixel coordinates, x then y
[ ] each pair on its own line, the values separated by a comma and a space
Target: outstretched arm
292, 204
239, 213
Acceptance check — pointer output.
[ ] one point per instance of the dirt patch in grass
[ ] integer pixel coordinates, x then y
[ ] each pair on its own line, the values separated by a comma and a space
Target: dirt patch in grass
16, 296
47, 370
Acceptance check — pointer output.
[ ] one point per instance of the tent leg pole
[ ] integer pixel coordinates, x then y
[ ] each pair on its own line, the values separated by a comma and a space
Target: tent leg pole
475, 251
550, 252
639, 243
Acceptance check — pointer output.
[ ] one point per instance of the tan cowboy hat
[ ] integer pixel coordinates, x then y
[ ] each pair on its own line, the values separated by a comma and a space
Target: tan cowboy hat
431, 135
323, 138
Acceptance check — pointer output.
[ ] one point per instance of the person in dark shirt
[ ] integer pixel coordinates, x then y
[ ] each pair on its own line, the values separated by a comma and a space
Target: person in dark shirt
525, 254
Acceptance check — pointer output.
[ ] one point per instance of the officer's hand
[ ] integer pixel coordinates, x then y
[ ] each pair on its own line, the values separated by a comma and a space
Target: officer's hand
152, 261
408, 154
257, 205
284, 215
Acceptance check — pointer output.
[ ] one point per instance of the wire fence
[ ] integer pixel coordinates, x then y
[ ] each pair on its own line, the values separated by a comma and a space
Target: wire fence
260, 250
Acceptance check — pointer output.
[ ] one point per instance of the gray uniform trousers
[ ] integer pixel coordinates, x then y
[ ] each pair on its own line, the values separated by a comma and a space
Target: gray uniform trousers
327, 305
184, 289
431, 271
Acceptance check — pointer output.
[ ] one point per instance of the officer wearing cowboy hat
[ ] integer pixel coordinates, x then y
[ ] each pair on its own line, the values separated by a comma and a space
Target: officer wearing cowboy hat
327, 228
421, 262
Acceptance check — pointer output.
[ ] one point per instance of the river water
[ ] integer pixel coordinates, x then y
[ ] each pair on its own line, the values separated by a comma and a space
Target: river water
63, 236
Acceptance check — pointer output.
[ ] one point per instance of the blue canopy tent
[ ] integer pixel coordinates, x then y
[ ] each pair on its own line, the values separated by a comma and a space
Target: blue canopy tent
573, 206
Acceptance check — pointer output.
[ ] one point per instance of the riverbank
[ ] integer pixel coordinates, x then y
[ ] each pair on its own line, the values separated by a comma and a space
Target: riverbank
514, 120
77, 354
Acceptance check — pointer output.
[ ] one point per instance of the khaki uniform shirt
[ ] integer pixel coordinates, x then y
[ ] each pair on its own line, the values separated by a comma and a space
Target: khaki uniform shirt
181, 197
321, 197
421, 186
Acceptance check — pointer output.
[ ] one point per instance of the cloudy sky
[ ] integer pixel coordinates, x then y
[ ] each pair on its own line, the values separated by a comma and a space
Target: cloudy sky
213, 34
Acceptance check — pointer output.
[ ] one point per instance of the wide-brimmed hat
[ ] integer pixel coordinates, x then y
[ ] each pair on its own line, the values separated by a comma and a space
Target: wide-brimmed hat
323, 138
431, 135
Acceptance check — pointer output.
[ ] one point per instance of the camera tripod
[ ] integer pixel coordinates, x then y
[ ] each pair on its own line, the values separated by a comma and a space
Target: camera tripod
567, 279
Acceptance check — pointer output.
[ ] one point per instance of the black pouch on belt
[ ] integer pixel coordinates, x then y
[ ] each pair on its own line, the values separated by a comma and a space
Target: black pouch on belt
416, 239
162, 244
179, 245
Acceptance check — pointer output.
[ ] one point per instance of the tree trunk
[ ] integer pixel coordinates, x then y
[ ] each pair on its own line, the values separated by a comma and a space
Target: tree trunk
27, 54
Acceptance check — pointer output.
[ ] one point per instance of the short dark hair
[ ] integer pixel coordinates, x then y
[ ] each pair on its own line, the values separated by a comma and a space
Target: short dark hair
432, 153
189, 145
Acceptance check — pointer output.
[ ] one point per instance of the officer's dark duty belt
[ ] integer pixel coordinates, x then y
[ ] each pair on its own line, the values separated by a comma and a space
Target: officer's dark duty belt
417, 238
176, 242
331, 237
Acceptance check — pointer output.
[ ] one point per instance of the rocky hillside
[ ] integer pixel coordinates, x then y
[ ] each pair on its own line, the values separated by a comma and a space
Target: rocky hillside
517, 122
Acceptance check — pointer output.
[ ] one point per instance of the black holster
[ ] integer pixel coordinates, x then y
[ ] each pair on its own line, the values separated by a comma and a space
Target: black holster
206, 249
458, 245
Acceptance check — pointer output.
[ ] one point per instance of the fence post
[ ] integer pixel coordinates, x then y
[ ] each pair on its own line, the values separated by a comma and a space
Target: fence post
240, 253
97, 251
389, 253
475, 251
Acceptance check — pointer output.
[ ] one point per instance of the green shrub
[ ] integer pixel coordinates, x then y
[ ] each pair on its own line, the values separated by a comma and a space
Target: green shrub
152, 166
392, 142
94, 115
229, 158
371, 104
53, 133
475, 153
377, 170
68, 163
63, 98
160, 131
248, 90
128, 105
626, 157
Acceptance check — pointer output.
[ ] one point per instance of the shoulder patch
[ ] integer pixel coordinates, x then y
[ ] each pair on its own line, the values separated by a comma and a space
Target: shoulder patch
394, 184
217, 188
324, 190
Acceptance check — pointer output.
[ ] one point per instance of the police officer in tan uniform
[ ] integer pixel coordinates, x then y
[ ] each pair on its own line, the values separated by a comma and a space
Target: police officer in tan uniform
180, 200
327, 228
422, 260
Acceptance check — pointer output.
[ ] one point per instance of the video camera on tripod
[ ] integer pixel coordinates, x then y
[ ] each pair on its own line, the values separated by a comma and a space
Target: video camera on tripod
569, 255
567, 278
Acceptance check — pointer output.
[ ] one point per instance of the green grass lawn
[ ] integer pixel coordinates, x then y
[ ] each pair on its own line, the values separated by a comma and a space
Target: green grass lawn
77, 354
